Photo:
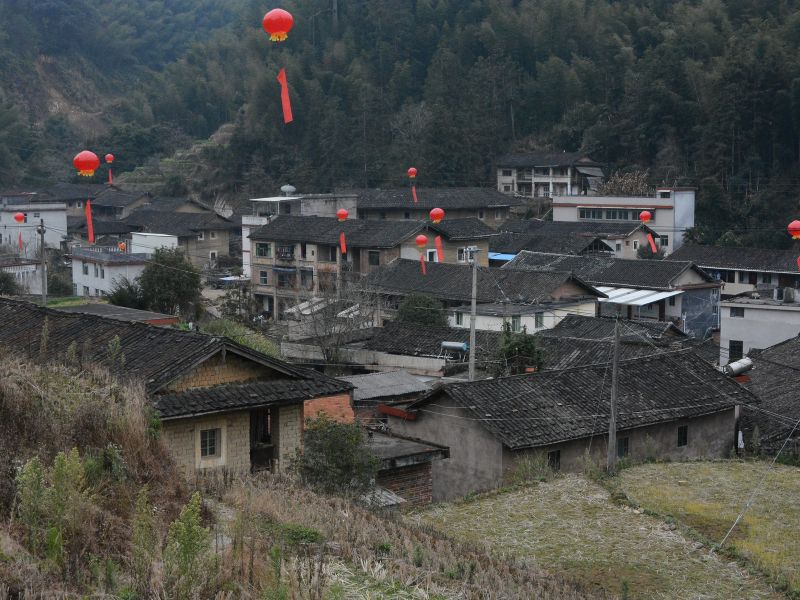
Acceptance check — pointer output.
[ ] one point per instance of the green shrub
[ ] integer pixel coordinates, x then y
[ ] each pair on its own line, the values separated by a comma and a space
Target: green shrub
186, 553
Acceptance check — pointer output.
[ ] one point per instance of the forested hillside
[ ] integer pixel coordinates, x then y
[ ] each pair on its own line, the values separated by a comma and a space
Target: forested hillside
699, 92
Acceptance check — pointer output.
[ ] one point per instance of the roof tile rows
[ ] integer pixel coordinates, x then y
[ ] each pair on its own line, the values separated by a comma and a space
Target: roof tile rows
177, 224
747, 259
528, 160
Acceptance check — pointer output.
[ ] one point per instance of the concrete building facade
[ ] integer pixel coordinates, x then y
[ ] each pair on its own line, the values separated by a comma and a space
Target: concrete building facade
96, 270
757, 323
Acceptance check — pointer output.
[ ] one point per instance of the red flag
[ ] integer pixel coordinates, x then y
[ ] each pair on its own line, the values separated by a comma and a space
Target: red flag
342, 243
652, 243
110, 177
285, 102
422, 262
89, 225
414, 193
439, 250
20, 241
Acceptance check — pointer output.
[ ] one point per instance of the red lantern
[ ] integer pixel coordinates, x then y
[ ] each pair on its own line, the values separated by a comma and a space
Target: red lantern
437, 214
277, 23
421, 241
645, 216
794, 229
86, 162
122, 246
412, 173
342, 214
109, 158
19, 217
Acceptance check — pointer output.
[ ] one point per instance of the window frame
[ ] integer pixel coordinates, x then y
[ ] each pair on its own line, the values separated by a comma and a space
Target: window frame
506, 172
459, 318
212, 235
263, 277
554, 460
215, 442
736, 312
201, 236
683, 436
738, 354
623, 447
538, 320
374, 258
516, 323
266, 247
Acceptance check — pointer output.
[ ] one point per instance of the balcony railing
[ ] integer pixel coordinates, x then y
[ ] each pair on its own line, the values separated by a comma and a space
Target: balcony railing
284, 255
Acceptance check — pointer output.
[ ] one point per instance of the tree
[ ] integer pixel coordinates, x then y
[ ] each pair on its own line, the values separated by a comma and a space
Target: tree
423, 310
335, 458
8, 284
170, 283
517, 353
127, 293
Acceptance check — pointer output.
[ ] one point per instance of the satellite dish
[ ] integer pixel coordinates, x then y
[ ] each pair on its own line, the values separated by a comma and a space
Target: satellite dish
288, 189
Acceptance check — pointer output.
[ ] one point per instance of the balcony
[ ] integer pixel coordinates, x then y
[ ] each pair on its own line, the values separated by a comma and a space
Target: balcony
285, 254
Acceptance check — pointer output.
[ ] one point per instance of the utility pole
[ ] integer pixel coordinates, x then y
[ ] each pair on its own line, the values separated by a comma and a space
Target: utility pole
40, 229
612, 421
335, 15
473, 312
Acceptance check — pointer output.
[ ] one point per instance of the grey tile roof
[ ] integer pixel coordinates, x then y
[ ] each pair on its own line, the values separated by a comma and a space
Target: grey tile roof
577, 326
748, 259
526, 160
422, 340
120, 313
453, 282
394, 451
559, 237
109, 258
61, 192
178, 224
549, 407
116, 197
649, 274
444, 198
468, 228
100, 226
375, 387
172, 203
221, 398
592, 228
774, 380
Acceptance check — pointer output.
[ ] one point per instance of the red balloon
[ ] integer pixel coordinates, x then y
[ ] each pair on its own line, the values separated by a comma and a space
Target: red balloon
412, 172
645, 216
109, 158
277, 24
437, 214
19, 217
86, 162
342, 214
422, 241
794, 229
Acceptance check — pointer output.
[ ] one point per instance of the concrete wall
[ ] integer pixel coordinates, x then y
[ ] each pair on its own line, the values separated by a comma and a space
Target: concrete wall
550, 317
413, 483
762, 326
199, 251
107, 276
476, 457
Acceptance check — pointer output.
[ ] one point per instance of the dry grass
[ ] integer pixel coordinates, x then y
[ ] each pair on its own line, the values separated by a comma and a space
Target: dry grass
571, 525
707, 496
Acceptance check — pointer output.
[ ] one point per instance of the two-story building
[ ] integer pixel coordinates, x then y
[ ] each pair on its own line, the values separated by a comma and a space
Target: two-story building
672, 211
743, 270
486, 204
115, 203
296, 258
72, 195
544, 175
34, 211
95, 269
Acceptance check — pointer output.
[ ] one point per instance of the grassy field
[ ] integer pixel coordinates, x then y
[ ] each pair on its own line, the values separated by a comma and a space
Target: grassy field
571, 526
708, 496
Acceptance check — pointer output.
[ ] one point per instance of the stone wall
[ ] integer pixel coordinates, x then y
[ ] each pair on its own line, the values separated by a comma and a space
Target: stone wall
413, 483
183, 439
290, 434
215, 371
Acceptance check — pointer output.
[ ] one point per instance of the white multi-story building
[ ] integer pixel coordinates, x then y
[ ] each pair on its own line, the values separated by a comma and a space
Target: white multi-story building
671, 209
96, 270
53, 214
27, 273
543, 175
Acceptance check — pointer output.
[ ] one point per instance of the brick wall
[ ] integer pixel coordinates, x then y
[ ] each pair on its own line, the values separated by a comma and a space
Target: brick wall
337, 408
290, 434
216, 371
413, 483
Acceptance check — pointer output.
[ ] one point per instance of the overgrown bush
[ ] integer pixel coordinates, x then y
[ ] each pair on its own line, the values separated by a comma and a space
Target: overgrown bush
186, 564
242, 335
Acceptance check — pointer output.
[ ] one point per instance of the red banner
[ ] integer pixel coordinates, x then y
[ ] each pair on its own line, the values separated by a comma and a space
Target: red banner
652, 243
20, 242
89, 224
342, 243
439, 249
285, 102
414, 193
422, 262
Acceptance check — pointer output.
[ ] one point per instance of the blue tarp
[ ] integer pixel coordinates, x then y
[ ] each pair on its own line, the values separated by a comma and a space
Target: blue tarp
500, 256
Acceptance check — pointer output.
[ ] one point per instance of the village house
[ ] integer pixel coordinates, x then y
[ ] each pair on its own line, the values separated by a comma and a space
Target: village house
297, 258
27, 273
115, 203
542, 174
529, 299
96, 269
106, 232
221, 405
34, 212
72, 195
744, 269
486, 204
671, 209
671, 406
662, 290
371, 389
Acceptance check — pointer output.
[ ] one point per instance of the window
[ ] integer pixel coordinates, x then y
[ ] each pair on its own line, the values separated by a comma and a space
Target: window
664, 194
36, 215
728, 276
303, 250
210, 443
102, 273
506, 188
463, 255
539, 320
498, 214
627, 242
406, 215
263, 277
623, 447
96, 271
212, 235
481, 214
86, 291
328, 253
664, 241
554, 460
96, 292
24, 217
85, 268
286, 280
590, 213
735, 350
373, 258
307, 279
264, 250
432, 255
516, 323
683, 436
766, 278
619, 247
285, 252
672, 300
737, 312
507, 173
616, 214
635, 244
459, 318
212, 255
80, 204
201, 236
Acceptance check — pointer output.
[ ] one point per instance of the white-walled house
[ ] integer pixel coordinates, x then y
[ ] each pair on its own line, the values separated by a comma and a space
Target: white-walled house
54, 215
749, 323
95, 271
528, 317
27, 273
672, 211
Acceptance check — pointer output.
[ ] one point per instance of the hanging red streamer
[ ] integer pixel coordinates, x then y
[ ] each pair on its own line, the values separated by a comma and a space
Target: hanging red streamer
20, 242
285, 102
342, 243
89, 224
422, 262
652, 243
414, 193
439, 250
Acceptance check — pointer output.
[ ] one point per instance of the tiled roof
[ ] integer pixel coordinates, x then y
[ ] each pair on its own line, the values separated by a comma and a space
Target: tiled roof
564, 352
558, 243
454, 282
748, 259
221, 398
444, 198
155, 355
178, 224
384, 384
422, 340
120, 313
774, 380
544, 159
100, 226
558, 237
591, 228
650, 274
109, 258
395, 451
577, 326
60, 192
549, 407
117, 198
363, 233
171, 203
